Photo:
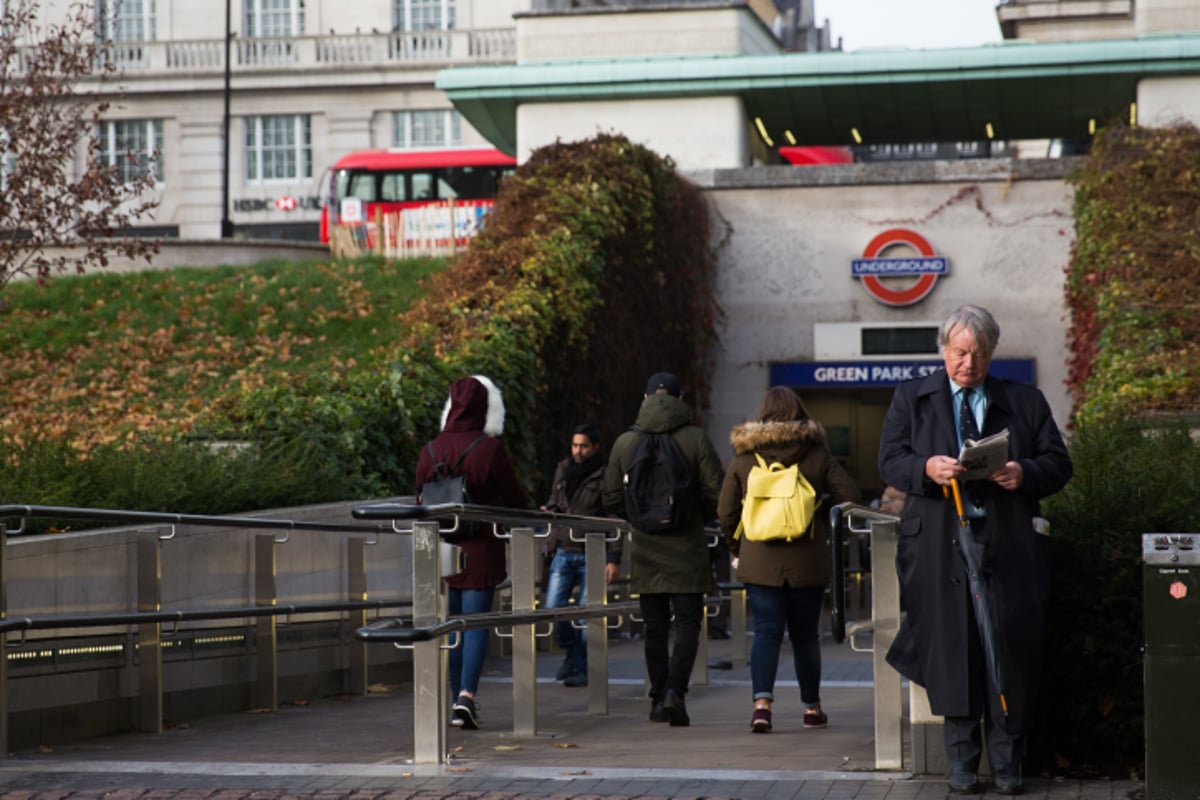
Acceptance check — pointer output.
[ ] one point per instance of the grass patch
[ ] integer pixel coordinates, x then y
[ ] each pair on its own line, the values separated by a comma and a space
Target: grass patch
101, 357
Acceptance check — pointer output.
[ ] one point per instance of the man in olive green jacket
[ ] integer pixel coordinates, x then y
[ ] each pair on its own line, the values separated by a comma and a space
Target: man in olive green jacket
670, 571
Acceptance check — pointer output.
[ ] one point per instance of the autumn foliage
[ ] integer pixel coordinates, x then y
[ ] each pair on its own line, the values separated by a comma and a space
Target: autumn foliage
1131, 284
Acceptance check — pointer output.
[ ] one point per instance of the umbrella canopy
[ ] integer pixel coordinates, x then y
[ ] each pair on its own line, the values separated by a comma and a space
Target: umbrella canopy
981, 600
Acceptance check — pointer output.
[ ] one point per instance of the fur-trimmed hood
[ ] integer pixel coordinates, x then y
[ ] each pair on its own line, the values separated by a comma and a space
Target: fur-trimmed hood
474, 404
747, 437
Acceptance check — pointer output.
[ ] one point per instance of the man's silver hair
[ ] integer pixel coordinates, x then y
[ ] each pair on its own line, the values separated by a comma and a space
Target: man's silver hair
978, 320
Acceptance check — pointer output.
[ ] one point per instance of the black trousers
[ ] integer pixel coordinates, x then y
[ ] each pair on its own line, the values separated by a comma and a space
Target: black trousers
669, 663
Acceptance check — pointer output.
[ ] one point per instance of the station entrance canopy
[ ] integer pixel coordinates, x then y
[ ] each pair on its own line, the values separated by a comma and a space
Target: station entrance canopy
1008, 91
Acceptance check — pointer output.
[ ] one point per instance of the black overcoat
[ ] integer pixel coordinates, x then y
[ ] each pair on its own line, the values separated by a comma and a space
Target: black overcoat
931, 646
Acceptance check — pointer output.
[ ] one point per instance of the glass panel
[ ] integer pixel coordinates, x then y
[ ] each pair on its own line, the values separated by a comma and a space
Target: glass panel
281, 145
127, 20
424, 15
134, 147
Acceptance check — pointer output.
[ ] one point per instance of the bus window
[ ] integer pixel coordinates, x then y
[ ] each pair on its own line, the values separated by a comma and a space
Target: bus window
468, 182
422, 186
391, 189
360, 185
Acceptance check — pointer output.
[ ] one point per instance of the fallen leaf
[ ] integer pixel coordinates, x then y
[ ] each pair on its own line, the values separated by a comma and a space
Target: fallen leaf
507, 747
580, 772
300, 703
406, 774
44, 749
258, 711
563, 745
457, 769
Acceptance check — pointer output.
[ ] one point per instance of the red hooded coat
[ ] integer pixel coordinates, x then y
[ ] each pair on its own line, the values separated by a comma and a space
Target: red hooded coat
476, 407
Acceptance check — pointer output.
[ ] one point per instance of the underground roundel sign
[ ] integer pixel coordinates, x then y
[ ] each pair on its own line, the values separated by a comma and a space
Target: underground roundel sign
888, 266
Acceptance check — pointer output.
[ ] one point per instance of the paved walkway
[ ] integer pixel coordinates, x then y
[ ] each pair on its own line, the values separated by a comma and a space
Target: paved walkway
360, 748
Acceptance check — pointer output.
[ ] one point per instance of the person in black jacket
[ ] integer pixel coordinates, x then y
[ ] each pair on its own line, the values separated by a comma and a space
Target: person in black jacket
577, 487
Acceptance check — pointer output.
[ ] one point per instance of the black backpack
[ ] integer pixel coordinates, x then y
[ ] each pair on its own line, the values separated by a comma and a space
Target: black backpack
659, 488
447, 486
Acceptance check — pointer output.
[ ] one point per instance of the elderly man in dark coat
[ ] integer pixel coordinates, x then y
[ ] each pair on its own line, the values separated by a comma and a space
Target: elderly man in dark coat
939, 645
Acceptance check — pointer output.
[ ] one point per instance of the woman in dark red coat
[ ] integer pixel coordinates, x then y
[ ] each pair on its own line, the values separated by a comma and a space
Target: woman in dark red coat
475, 408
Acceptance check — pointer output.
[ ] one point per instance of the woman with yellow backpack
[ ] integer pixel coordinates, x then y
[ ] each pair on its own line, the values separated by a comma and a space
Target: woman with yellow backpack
773, 512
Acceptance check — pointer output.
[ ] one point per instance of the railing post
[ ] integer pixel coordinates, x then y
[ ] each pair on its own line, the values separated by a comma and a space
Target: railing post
885, 615
737, 626
150, 671
524, 637
266, 641
3, 642
356, 584
429, 661
595, 551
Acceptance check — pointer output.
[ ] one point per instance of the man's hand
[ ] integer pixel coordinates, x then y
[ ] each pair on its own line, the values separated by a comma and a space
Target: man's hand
943, 469
610, 572
1010, 476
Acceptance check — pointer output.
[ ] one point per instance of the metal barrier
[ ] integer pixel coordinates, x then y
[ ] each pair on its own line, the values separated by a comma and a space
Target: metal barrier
883, 529
149, 617
524, 528
430, 623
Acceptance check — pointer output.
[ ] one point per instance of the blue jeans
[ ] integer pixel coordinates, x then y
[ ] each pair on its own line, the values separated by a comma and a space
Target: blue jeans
566, 572
796, 609
466, 660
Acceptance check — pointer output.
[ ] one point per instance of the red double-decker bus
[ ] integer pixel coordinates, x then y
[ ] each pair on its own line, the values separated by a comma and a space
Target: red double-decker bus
367, 182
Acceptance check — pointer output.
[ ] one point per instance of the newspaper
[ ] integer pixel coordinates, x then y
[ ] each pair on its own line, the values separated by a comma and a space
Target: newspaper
983, 457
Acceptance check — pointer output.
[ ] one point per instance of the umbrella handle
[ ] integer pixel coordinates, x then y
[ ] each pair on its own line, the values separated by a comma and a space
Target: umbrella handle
958, 503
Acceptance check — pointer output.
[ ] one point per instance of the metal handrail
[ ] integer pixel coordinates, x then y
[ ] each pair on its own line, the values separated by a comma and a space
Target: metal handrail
508, 517
390, 630
187, 615
842, 519
116, 515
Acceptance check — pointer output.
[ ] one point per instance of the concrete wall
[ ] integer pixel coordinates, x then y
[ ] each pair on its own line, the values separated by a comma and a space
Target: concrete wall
694, 131
1005, 225
624, 32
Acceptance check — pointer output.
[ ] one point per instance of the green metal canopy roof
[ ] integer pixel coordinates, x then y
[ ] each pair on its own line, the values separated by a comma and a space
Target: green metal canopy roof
1023, 90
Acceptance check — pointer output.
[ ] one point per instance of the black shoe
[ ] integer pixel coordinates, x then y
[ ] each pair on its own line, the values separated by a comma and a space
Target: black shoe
466, 713
656, 711
1007, 780
576, 679
962, 779
676, 709
564, 669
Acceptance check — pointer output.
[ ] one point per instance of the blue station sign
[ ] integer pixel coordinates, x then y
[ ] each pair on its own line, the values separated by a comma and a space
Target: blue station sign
885, 374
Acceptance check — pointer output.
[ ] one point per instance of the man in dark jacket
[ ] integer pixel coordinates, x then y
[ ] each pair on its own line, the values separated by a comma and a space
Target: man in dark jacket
474, 418
578, 483
939, 645
671, 571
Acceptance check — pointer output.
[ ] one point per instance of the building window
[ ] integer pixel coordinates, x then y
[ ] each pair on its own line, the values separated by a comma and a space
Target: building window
133, 146
278, 148
126, 20
413, 16
440, 128
267, 18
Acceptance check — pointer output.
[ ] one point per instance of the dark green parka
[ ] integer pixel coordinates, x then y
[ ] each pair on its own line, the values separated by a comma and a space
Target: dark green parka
676, 562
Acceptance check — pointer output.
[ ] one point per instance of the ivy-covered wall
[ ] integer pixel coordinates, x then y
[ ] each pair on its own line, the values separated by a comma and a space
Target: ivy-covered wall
1133, 284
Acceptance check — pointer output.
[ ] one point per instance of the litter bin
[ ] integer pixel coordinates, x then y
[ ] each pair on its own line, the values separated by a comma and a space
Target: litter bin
1171, 663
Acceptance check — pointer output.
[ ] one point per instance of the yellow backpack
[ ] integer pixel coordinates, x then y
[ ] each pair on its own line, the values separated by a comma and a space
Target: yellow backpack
779, 503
